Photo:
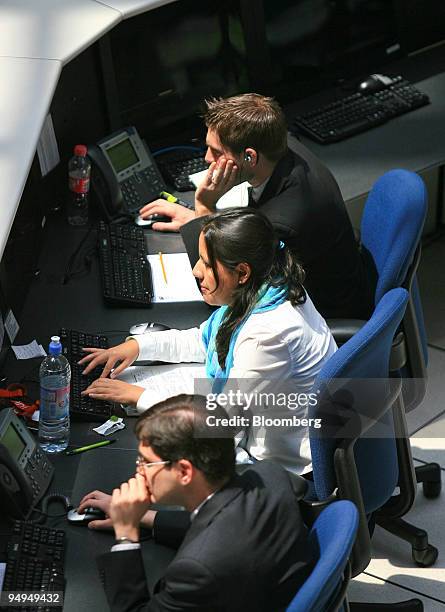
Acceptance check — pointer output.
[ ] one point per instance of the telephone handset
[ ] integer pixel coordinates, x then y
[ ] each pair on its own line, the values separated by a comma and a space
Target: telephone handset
124, 174
25, 472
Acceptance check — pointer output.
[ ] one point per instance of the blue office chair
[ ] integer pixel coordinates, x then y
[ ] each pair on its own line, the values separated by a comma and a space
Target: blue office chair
391, 228
333, 535
354, 454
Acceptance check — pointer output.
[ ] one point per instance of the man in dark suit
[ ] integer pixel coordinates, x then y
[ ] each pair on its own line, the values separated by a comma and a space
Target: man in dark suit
247, 141
241, 544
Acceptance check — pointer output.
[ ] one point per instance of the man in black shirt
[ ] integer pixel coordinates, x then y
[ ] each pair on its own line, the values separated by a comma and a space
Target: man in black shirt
247, 141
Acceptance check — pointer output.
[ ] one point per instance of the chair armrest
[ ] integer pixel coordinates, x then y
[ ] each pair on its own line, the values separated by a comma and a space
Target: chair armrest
344, 329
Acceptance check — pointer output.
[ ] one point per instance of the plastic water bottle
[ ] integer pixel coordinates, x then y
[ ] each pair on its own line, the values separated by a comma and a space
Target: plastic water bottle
79, 170
55, 376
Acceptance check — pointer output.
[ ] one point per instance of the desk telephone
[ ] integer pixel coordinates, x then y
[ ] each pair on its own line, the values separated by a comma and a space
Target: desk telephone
124, 174
25, 472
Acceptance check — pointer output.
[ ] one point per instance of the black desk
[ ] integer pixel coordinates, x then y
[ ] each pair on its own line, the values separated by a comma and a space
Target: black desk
78, 304
415, 141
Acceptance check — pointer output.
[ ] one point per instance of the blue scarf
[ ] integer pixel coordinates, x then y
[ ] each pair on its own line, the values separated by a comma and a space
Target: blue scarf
268, 299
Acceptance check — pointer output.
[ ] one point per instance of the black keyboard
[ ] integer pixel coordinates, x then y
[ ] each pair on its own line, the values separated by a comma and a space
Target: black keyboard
35, 562
82, 407
125, 271
359, 112
176, 166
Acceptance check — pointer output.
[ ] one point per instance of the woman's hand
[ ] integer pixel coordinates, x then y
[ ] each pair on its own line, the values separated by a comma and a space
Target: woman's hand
125, 353
221, 176
97, 499
114, 391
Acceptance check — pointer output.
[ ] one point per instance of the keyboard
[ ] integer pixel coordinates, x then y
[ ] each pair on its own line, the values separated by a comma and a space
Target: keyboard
35, 562
84, 408
176, 166
359, 112
125, 271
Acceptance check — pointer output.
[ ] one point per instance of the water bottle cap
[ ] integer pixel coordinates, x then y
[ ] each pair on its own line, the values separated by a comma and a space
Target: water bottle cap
80, 150
55, 348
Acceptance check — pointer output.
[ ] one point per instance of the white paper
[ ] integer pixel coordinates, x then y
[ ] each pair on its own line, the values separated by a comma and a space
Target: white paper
181, 284
47, 149
168, 380
237, 196
11, 326
28, 351
110, 426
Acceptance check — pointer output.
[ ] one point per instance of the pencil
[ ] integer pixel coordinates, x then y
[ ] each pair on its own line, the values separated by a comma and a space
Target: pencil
163, 267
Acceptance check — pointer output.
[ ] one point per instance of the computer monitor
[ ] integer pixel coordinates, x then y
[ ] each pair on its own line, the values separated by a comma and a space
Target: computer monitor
421, 23
169, 59
313, 44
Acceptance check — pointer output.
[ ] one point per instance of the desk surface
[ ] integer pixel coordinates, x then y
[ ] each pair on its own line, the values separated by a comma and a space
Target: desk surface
78, 304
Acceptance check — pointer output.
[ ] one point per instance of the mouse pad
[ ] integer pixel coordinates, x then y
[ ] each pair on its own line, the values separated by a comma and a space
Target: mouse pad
103, 469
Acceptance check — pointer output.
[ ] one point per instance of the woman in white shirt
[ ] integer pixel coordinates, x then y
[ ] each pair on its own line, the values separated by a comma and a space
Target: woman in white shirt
266, 339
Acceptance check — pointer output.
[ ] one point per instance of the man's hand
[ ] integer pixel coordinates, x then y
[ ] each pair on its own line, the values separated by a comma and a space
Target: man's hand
97, 499
128, 506
180, 215
220, 178
125, 353
114, 391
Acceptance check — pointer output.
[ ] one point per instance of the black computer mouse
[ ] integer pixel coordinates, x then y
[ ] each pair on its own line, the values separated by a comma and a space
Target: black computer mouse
141, 328
90, 514
374, 83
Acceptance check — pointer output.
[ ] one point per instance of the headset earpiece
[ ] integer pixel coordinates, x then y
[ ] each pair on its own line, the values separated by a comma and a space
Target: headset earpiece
247, 157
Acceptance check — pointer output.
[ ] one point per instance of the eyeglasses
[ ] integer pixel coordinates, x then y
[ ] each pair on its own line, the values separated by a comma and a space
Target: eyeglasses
140, 462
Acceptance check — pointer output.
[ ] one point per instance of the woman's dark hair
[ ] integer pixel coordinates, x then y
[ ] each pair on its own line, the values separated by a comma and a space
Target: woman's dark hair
176, 429
243, 235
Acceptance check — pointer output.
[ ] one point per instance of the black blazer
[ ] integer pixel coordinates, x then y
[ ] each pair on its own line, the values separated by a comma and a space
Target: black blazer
246, 550
304, 204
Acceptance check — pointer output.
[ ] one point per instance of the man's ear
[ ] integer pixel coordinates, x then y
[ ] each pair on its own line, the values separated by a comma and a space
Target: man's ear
251, 156
244, 273
185, 471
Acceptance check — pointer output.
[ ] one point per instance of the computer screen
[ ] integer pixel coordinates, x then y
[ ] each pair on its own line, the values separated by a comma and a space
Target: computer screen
421, 23
315, 43
169, 59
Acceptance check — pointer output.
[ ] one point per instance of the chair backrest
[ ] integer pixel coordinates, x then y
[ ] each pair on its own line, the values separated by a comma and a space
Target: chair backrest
333, 535
391, 229
392, 225
365, 356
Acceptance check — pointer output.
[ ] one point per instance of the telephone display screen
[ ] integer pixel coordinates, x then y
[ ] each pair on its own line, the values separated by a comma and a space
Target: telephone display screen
122, 155
13, 442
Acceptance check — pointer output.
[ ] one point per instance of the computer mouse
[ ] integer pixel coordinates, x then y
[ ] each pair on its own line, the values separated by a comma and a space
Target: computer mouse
143, 222
141, 328
90, 514
374, 83
148, 222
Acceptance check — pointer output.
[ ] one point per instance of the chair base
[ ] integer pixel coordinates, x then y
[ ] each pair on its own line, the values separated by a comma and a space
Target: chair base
423, 553
430, 477
411, 605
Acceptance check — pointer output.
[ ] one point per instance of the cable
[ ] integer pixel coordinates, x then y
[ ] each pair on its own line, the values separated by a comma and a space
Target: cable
68, 272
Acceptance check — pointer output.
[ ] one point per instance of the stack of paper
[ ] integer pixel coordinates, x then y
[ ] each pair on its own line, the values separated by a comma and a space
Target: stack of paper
178, 284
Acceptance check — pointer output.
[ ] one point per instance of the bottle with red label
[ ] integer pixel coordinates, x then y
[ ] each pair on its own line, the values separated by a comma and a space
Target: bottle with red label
79, 170
54, 421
